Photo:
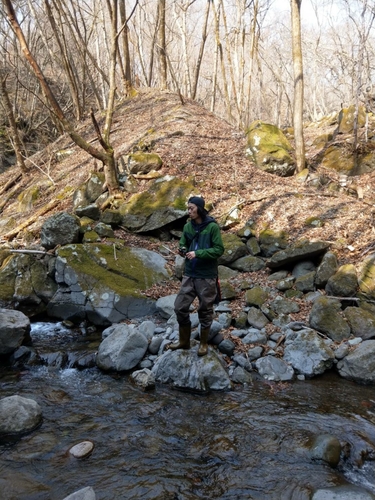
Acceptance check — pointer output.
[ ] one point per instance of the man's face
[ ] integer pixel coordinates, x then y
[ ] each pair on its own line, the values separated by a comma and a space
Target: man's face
193, 211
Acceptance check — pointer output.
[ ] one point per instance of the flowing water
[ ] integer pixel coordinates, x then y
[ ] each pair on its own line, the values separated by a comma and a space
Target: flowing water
250, 443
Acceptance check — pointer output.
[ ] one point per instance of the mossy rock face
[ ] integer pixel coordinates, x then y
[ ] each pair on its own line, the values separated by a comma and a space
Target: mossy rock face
347, 116
94, 186
314, 221
234, 248
366, 277
8, 273
362, 322
339, 159
27, 199
322, 140
256, 296
143, 163
272, 241
268, 147
104, 282
164, 202
24, 279
302, 250
344, 282
325, 317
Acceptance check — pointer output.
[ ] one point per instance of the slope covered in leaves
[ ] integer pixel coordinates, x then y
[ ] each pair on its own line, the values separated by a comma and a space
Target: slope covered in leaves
192, 142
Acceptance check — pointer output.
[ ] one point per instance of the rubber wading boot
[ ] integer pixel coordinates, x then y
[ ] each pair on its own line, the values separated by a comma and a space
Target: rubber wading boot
203, 346
184, 332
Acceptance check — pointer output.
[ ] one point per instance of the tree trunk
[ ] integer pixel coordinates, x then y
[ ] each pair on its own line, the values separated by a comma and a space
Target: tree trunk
17, 143
221, 58
125, 49
201, 49
298, 84
162, 45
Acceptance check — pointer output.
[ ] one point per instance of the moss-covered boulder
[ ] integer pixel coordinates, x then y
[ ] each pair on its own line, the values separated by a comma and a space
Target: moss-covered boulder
271, 241
362, 322
344, 282
268, 147
347, 118
366, 277
8, 273
27, 198
143, 163
164, 202
94, 187
340, 159
25, 281
104, 283
234, 248
256, 296
326, 317
302, 250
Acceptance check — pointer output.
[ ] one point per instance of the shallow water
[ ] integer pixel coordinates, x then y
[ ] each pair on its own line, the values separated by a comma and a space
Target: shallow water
250, 443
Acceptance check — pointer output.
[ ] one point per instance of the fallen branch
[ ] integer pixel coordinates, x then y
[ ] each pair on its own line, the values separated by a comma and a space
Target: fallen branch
12, 234
13, 193
40, 252
10, 183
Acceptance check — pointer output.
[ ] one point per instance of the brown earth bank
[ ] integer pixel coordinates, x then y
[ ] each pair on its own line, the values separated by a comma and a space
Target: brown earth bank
193, 142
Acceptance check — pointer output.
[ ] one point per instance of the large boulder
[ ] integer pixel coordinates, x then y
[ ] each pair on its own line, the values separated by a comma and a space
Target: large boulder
104, 283
308, 353
302, 250
268, 147
60, 229
361, 321
164, 202
122, 350
271, 241
143, 163
366, 277
327, 268
359, 365
326, 317
343, 492
25, 280
272, 368
14, 330
344, 282
234, 248
19, 415
185, 370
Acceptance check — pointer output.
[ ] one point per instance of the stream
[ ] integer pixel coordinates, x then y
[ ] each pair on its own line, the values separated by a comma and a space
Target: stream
249, 443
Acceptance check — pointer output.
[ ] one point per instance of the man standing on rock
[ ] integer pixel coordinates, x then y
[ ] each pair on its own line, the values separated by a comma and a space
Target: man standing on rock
201, 245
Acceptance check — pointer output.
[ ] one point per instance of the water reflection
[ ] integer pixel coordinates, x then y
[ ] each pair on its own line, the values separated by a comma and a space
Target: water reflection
250, 443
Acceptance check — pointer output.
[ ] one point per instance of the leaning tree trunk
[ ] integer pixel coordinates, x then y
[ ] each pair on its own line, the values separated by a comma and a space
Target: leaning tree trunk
106, 156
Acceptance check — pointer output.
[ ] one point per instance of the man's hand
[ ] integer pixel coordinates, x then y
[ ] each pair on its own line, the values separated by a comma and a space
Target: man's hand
190, 255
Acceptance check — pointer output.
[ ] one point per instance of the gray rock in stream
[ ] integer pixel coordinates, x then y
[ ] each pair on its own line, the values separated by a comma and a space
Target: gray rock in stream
19, 415
185, 370
346, 492
122, 350
14, 330
84, 494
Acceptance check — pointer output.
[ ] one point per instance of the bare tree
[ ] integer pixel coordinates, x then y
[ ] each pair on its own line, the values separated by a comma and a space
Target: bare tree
298, 84
106, 155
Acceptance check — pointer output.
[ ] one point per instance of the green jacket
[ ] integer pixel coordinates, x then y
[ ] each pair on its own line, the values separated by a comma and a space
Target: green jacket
205, 240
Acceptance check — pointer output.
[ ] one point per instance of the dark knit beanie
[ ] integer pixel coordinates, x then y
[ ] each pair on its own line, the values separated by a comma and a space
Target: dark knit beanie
197, 200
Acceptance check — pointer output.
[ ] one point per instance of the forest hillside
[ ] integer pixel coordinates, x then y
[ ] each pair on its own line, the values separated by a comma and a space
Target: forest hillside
192, 142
